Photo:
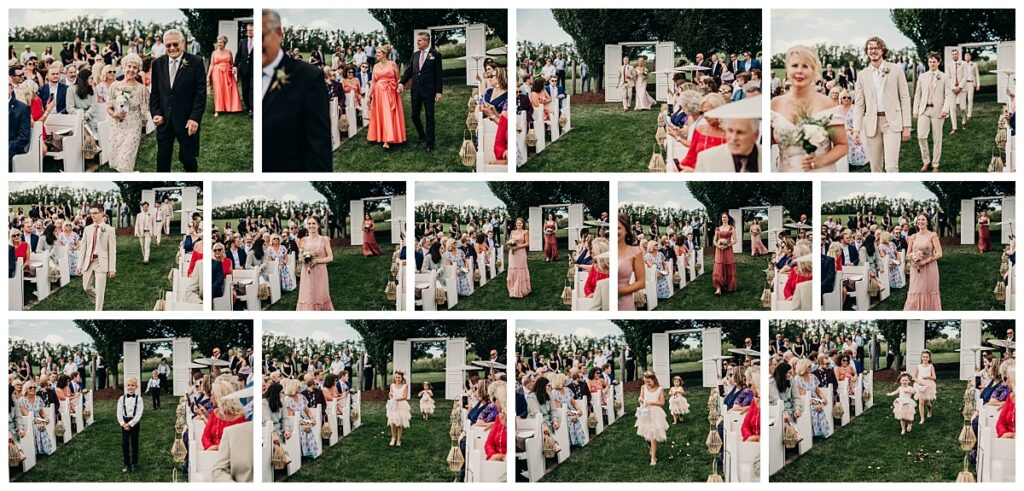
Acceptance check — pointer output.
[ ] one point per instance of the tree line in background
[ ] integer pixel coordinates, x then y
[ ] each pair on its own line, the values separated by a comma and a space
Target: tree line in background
949, 193
644, 213
637, 333
128, 191
399, 25
520, 196
879, 205
718, 197
447, 212
278, 345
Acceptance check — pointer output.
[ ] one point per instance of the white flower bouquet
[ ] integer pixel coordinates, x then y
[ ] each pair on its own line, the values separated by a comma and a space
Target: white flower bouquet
121, 98
512, 243
811, 134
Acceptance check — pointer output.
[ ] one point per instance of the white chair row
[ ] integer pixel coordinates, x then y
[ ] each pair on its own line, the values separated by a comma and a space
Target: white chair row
486, 133
478, 468
801, 297
71, 155
74, 423
1011, 289
186, 292
200, 462
739, 458
551, 127
996, 456
341, 422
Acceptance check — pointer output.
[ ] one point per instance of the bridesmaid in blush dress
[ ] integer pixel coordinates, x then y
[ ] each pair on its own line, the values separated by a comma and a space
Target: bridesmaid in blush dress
314, 288
757, 247
984, 238
370, 246
724, 275
384, 102
632, 274
518, 282
923, 290
222, 78
550, 241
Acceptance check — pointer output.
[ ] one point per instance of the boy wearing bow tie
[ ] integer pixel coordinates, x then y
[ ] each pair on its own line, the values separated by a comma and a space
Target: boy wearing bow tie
129, 415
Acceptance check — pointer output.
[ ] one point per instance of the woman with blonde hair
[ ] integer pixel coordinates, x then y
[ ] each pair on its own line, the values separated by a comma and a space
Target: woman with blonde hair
128, 107
856, 156
297, 406
384, 101
221, 77
227, 412
709, 132
791, 111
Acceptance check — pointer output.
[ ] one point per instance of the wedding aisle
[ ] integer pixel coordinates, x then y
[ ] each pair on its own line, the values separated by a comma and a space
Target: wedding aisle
699, 294
968, 151
603, 138
969, 277
546, 278
870, 448
350, 263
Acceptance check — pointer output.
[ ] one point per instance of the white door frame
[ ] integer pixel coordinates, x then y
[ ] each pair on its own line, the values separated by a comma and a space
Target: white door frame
455, 362
537, 227
968, 217
181, 359
711, 346
473, 31
189, 202
1005, 64
356, 211
771, 234
612, 63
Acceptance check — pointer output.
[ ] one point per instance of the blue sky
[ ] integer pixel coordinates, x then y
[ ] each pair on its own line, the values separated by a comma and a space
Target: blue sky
52, 331
582, 328
93, 185
837, 191
467, 193
328, 330
672, 194
331, 19
38, 17
230, 192
833, 26
538, 25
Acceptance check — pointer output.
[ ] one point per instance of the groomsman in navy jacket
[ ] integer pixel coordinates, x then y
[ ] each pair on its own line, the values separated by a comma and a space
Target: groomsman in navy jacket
850, 254
19, 127
53, 87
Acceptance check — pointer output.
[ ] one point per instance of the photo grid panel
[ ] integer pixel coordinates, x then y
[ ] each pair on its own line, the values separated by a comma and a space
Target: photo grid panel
389, 291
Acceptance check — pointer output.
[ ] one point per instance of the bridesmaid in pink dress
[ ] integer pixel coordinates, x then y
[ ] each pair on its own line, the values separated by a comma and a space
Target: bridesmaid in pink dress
724, 276
384, 102
314, 288
631, 266
222, 78
370, 246
757, 247
984, 238
550, 241
518, 281
923, 292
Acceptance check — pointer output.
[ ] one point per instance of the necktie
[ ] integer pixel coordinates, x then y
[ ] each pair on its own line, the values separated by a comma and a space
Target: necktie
250, 45
956, 73
423, 57
931, 90
95, 233
173, 70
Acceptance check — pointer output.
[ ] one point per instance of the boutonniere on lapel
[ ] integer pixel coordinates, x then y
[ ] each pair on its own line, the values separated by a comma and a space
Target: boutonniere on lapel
885, 71
280, 79
430, 56
184, 63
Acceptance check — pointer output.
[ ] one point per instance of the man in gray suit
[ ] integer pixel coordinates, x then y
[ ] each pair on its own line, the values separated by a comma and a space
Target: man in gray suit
627, 76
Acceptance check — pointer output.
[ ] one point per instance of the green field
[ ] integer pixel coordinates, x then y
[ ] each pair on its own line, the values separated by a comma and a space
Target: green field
961, 270
700, 294
871, 448
547, 279
136, 286
356, 282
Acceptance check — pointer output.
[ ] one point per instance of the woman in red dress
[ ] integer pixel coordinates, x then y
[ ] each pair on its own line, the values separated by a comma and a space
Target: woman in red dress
751, 428
984, 238
706, 136
227, 412
384, 102
550, 242
370, 246
724, 275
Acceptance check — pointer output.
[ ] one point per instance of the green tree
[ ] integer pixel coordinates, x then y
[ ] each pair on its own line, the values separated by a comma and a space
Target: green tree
934, 29
399, 24
339, 194
520, 196
203, 24
718, 196
131, 191
109, 336
949, 193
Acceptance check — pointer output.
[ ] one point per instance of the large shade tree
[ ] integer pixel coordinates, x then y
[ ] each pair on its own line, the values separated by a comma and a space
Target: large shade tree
399, 24
520, 196
949, 193
933, 29
721, 196
637, 333
204, 24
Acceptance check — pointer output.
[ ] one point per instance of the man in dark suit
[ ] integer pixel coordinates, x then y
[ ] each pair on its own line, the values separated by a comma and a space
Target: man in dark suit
237, 253
850, 254
828, 273
317, 56
749, 63
19, 127
555, 91
177, 102
54, 88
296, 111
847, 76
243, 66
425, 71
116, 47
734, 64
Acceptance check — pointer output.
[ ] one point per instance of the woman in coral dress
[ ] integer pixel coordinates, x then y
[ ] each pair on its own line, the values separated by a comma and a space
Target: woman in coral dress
925, 251
724, 275
518, 282
984, 238
314, 288
222, 78
384, 102
550, 241
370, 246
757, 247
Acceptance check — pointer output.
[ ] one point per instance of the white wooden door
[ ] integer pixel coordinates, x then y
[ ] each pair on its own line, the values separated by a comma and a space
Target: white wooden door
148, 196
454, 360
189, 205
966, 221
970, 337
132, 362
575, 223
536, 229
401, 359
476, 45
612, 63
711, 348
355, 216
774, 223
398, 219
737, 222
915, 344
181, 358
1006, 62
1009, 203
229, 29
664, 60
660, 358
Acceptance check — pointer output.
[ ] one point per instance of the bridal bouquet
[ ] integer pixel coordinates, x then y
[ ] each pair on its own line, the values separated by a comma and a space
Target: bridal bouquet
549, 231
121, 98
723, 243
811, 134
366, 228
307, 257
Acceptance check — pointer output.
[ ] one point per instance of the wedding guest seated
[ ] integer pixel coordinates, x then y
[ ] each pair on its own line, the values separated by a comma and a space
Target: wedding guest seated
741, 152
799, 274
708, 133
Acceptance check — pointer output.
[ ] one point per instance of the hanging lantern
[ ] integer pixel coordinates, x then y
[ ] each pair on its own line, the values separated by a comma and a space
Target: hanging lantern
455, 459
660, 135
455, 431
965, 475
567, 295
790, 437
714, 441
715, 477
1000, 291
354, 414
967, 437
550, 446
471, 122
391, 291
178, 450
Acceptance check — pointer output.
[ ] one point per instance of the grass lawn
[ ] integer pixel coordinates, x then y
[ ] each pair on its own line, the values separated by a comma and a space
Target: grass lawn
603, 139
364, 455
546, 281
619, 455
356, 154
700, 294
357, 282
225, 145
871, 449
136, 286
95, 454
961, 270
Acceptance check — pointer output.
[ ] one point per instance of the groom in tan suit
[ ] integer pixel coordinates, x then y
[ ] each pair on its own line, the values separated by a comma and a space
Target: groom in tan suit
627, 75
933, 95
957, 71
882, 108
98, 261
972, 84
145, 230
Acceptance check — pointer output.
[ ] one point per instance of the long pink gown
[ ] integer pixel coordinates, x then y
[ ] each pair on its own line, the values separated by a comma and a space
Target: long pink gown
370, 246
225, 88
984, 238
923, 292
724, 274
518, 280
314, 287
550, 242
387, 118
757, 245
626, 274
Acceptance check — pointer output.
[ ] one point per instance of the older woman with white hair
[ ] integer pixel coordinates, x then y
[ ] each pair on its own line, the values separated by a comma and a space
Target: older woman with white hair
227, 411
127, 106
1006, 425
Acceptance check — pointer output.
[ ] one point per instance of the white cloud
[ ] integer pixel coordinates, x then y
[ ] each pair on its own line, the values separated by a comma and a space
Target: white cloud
54, 339
585, 332
321, 24
320, 335
904, 195
471, 202
671, 204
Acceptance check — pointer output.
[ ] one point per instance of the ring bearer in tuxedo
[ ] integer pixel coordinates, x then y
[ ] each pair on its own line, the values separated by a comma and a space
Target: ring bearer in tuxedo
933, 95
957, 71
882, 108
627, 76
98, 260
145, 229
129, 415
972, 84
153, 389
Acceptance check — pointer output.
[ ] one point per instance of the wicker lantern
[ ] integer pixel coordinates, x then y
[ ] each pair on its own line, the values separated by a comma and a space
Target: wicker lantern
179, 424
178, 450
353, 414
657, 163
965, 475
471, 121
455, 431
550, 446
467, 152
455, 458
391, 291
326, 432
715, 477
567, 294
790, 437
967, 438
592, 420
279, 458
713, 441
562, 120
531, 137
660, 135
264, 292
1000, 291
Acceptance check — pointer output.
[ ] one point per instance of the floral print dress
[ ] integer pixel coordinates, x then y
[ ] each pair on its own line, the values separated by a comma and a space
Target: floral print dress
44, 445
462, 277
71, 245
307, 439
576, 432
280, 256
658, 260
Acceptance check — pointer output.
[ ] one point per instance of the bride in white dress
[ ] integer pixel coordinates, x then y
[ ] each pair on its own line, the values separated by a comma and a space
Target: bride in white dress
644, 101
803, 69
128, 107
